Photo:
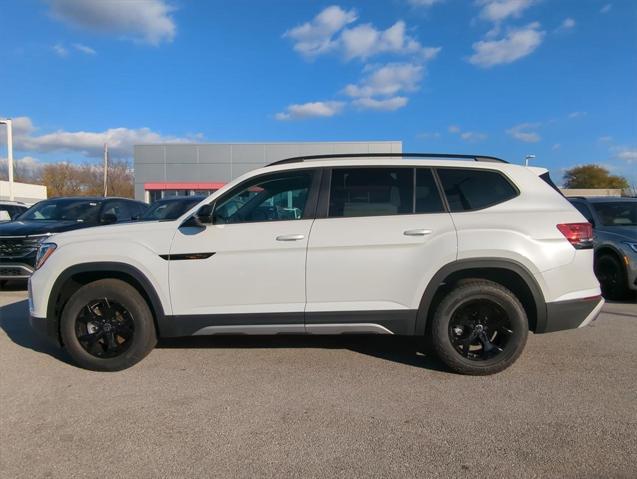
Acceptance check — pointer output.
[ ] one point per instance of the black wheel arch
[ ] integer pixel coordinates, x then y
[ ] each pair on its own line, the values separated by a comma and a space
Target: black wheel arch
76, 276
510, 273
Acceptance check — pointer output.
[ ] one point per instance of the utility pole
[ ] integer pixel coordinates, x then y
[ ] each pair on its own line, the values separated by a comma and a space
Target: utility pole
105, 169
9, 156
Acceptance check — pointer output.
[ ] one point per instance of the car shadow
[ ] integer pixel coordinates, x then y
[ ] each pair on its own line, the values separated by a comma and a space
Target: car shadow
399, 349
14, 285
15, 323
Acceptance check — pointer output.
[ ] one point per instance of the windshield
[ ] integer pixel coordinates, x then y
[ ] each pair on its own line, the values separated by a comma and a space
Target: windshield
63, 210
169, 210
617, 213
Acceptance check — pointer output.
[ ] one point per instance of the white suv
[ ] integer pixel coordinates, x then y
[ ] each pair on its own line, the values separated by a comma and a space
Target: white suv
467, 252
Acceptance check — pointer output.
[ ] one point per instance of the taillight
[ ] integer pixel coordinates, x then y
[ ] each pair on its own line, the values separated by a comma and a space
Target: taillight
580, 235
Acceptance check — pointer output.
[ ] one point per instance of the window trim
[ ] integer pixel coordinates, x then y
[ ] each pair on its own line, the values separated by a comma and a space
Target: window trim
489, 205
323, 207
312, 197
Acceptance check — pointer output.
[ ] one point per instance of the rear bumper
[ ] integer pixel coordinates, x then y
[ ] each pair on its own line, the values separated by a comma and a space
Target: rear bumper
571, 314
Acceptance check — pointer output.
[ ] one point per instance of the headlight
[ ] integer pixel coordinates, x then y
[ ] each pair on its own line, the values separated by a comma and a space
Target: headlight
632, 246
45, 250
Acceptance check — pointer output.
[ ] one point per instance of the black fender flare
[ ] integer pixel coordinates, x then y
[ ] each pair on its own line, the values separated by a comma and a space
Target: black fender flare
486, 263
104, 267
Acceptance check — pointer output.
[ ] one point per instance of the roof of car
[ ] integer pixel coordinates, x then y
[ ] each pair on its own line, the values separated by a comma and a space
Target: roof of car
13, 203
602, 199
90, 198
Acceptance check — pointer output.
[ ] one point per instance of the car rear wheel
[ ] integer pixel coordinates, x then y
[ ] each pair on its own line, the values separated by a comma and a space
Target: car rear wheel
479, 328
107, 326
611, 276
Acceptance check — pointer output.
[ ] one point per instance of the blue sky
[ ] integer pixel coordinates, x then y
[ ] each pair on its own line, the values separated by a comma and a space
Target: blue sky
555, 78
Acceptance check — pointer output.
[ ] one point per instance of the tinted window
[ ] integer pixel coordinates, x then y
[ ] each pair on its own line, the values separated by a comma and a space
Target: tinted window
617, 213
276, 197
119, 209
582, 208
170, 209
371, 192
137, 209
64, 210
474, 189
427, 197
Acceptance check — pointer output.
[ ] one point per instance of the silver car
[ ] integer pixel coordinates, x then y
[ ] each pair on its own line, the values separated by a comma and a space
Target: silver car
614, 223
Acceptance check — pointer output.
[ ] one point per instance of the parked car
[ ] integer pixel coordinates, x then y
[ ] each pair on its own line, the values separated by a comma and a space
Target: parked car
468, 254
9, 210
614, 223
171, 208
20, 238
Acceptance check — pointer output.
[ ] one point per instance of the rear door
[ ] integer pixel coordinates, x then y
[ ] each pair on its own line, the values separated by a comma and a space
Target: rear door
379, 236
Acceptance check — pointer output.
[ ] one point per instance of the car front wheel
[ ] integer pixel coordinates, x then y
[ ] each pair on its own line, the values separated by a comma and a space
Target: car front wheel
107, 326
479, 328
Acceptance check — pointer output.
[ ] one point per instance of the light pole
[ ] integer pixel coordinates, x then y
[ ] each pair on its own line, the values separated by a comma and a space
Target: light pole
527, 158
9, 156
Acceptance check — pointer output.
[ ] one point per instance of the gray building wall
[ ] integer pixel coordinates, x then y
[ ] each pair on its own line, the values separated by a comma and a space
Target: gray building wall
222, 162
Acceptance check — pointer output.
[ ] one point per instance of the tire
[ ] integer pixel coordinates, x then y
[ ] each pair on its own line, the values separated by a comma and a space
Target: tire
479, 328
611, 276
117, 322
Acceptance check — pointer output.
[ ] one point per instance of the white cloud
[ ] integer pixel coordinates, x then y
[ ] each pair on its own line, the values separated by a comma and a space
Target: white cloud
388, 104
87, 143
365, 41
626, 154
605, 139
387, 80
567, 24
606, 8
517, 44
499, 10
468, 136
27, 166
472, 136
311, 110
524, 132
577, 114
60, 50
424, 3
556, 146
84, 49
428, 135
317, 36
149, 21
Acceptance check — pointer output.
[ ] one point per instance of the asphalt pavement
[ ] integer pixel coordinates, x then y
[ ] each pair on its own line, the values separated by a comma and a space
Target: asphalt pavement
320, 407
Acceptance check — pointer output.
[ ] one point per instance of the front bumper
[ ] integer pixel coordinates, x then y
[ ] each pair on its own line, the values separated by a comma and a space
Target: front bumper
15, 271
46, 328
576, 313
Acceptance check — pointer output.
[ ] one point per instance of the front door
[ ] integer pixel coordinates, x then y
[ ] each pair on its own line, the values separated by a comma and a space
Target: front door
246, 272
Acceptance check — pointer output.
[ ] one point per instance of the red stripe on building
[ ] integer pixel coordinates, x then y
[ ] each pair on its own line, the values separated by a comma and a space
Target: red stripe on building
183, 186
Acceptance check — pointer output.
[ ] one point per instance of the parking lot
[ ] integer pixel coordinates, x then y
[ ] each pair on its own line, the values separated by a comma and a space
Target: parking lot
320, 406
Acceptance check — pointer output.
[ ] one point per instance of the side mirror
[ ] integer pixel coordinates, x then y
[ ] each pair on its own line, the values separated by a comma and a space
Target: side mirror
204, 214
108, 219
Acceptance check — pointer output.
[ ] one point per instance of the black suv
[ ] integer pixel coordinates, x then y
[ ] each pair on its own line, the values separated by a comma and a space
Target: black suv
20, 238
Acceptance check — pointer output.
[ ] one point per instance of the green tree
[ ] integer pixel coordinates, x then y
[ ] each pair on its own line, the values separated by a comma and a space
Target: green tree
593, 176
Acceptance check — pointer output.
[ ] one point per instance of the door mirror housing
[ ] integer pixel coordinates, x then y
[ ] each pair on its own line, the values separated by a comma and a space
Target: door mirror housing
204, 214
108, 219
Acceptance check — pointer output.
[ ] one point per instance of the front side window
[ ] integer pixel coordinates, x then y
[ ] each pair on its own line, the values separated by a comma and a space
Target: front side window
276, 197
469, 189
371, 192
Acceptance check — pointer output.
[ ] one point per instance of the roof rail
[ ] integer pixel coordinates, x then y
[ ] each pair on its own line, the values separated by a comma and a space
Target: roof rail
299, 159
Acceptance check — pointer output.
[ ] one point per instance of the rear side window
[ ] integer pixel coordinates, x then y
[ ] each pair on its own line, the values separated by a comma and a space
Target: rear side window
468, 190
371, 192
427, 197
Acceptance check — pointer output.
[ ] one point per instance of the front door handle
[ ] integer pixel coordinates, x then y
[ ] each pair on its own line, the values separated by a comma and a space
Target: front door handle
290, 237
421, 232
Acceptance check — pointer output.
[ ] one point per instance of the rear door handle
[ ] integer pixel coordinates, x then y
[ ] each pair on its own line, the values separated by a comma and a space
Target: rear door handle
421, 232
290, 237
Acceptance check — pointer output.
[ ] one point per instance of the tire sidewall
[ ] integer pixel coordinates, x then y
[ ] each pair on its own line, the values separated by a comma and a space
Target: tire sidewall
144, 336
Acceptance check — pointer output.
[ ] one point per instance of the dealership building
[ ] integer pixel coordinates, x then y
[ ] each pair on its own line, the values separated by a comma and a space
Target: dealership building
187, 169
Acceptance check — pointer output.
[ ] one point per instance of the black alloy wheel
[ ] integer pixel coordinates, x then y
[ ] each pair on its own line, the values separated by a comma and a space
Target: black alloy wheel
104, 328
480, 329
